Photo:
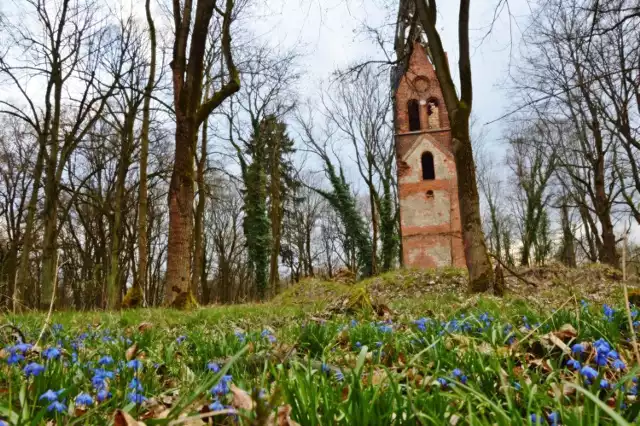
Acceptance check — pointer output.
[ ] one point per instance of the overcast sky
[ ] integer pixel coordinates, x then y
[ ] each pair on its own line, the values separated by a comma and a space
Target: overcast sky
330, 33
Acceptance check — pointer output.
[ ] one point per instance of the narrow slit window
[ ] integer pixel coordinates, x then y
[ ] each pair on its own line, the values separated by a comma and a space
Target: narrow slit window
414, 115
428, 169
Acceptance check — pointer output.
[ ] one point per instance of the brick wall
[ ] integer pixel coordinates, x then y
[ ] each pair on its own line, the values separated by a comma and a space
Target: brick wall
429, 209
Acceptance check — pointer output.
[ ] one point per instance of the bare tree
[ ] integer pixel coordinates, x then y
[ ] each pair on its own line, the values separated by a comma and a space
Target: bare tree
424, 13
190, 113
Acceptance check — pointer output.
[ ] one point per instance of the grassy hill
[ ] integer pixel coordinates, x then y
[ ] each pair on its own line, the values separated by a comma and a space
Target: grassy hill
407, 347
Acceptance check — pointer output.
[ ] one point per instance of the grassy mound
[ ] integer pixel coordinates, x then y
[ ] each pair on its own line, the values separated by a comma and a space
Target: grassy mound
436, 357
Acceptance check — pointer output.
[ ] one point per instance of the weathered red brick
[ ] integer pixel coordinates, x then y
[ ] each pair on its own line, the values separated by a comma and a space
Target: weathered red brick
429, 209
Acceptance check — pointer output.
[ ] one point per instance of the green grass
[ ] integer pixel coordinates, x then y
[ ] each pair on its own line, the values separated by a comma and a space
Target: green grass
442, 359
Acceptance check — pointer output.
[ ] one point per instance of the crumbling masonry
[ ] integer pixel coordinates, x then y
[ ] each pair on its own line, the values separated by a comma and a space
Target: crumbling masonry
428, 187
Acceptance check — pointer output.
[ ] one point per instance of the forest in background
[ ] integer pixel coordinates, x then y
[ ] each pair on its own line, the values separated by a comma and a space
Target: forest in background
116, 124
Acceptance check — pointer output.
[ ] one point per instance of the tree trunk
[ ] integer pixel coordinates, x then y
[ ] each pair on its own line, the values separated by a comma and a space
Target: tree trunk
374, 226
475, 249
143, 239
23, 269
198, 251
50, 236
181, 195
113, 284
459, 109
568, 249
608, 252
275, 214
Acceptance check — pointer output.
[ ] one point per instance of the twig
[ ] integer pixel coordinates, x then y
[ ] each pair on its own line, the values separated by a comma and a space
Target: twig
512, 272
626, 300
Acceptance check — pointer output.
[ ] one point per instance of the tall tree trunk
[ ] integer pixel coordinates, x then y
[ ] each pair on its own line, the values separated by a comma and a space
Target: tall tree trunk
49, 246
113, 283
198, 249
374, 226
23, 268
568, 249
275, 214
143, 238
181, 195
459, 109
478, 264
602, 206
190, 113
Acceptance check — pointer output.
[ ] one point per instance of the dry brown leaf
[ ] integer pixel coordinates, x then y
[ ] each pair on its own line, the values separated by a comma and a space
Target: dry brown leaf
241, 399
144, 326
550, 341
122, 418
131, 352
284, 417
566, 332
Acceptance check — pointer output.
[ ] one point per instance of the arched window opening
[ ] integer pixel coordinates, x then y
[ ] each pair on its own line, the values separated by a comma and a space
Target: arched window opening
433, 112
414, 115
428, 169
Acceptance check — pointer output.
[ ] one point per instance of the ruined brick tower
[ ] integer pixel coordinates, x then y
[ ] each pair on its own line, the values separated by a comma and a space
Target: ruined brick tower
428, 187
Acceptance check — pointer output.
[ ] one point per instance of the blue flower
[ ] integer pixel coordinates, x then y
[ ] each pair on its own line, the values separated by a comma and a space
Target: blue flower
572, 363
134, 364
135, 384
457, 373
378, 344
136, 398
325, 369
99, 378
619, 365
358, 345
604, 384
602, 345
3, 423
553, 418
222, 387
578, 348
14, 358
241, 337
339, 376
49, 396
443, 382
181, 339
74, 357
103, 395
613, 355
271, 338
105, 360
51, 353
354, 323
517, 386
385, 329
33, 369
57, 406
589, 372
84, 399
57, 327
422, 323
216, 406
608, 312
212, 366
20, 347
